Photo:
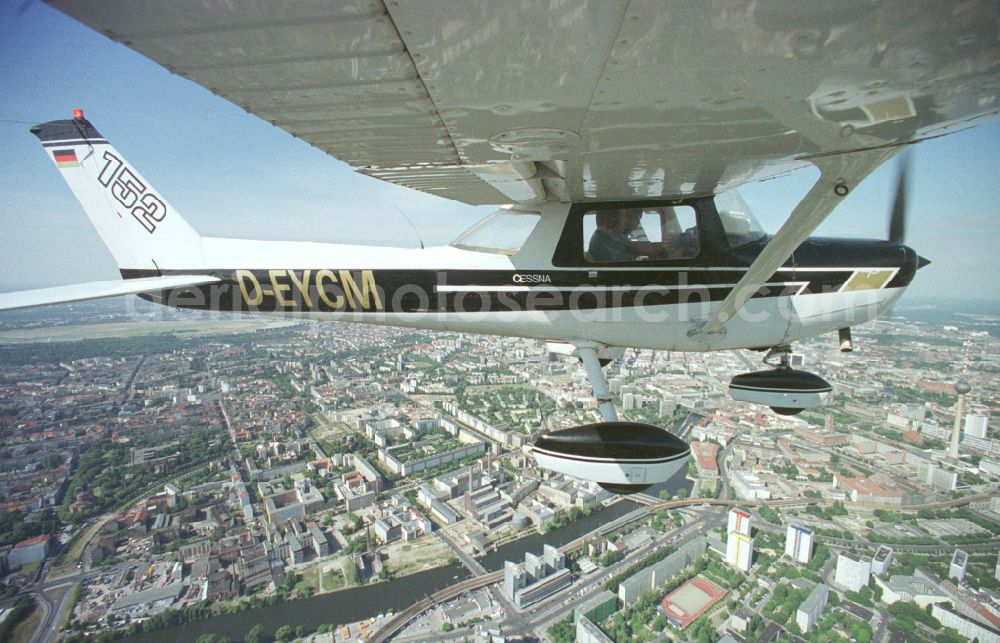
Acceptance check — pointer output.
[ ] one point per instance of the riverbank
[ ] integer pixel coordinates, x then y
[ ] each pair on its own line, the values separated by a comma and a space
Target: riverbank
368, 601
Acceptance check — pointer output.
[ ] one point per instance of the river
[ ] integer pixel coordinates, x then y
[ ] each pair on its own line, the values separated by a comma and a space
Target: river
356, 604
338, 608
558, 537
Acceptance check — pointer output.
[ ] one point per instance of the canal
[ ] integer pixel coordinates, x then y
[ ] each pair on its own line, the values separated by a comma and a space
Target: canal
356, 604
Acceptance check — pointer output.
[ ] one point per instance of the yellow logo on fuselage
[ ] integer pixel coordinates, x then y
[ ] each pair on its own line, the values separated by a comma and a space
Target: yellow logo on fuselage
309, 289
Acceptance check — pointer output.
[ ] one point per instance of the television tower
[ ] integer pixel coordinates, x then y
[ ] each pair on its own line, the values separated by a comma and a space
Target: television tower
961, 387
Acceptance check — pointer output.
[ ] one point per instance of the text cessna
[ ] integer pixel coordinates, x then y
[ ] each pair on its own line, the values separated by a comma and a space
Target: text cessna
310, 289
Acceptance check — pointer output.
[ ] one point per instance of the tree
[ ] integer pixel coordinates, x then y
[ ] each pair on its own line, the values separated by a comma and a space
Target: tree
351, 574
564, 631
681, 494
284, 633
256, 634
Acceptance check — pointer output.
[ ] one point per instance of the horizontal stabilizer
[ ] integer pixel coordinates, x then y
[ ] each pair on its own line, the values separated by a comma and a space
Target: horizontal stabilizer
99, 290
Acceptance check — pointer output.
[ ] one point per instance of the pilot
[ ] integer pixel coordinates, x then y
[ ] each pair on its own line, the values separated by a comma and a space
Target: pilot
617, 239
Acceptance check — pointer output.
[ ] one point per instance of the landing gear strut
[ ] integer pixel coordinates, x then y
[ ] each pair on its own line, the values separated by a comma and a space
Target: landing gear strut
781, 354
621, 457
598, 382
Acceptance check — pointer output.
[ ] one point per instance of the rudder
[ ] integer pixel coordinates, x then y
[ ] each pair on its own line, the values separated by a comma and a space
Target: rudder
140, 228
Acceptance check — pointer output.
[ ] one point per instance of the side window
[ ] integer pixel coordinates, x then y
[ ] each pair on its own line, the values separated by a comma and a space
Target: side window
640, 234
502, 232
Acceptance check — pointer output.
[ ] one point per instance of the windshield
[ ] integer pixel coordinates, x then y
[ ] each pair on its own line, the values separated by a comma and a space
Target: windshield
502, 232
738, 221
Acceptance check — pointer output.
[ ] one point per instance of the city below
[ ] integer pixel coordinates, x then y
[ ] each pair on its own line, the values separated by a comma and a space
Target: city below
169, 476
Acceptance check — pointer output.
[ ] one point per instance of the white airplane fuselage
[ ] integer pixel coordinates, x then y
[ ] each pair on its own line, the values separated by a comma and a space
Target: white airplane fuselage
642, 274
525, 295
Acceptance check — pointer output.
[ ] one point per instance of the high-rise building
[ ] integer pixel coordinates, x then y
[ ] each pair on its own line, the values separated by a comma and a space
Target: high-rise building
853, 573
976, 425
739, 548
535, 581
882, 560
534, 567
808, 613
739, 551
739, 521
959, 563
554, 559
513, 579
967, 627
937, 477
798, 543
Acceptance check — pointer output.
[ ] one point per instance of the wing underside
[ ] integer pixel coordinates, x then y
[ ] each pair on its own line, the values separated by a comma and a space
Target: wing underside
489, 102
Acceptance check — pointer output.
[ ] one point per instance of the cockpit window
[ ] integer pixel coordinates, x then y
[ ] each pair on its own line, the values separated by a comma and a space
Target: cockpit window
737, 220
502, 232
640, 234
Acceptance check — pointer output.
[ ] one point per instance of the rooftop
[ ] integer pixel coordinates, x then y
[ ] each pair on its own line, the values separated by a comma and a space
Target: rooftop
171, 592
818, 595
32, 541
883, 553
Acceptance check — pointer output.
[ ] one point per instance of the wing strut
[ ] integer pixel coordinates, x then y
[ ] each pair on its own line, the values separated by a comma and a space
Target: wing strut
838, 175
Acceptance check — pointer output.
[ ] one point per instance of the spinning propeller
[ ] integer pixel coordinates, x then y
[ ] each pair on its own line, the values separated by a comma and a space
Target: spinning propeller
899, 213
897, 219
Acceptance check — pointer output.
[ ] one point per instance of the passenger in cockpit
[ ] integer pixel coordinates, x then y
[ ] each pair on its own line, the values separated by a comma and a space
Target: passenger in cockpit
615, 239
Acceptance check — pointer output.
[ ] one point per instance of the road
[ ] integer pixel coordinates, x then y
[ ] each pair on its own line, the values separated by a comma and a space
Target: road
48, 629
470, 563
401, 619
555, 608
522, 624
49, 618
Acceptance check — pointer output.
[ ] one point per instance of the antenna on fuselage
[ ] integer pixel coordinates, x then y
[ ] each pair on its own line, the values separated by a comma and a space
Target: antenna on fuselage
419, 238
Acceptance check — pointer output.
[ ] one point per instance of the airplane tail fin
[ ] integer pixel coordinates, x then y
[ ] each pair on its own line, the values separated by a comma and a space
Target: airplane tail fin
143, 232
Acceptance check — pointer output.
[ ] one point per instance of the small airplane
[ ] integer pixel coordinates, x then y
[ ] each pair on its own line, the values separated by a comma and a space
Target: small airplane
617, 133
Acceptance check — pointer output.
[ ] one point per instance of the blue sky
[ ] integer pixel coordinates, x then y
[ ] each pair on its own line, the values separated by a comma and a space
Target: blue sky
231, 174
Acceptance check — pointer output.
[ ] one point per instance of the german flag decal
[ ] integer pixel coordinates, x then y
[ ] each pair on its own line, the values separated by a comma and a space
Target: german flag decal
65, 158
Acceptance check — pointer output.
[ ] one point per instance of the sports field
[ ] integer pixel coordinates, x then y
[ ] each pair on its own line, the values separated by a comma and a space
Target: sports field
690, 600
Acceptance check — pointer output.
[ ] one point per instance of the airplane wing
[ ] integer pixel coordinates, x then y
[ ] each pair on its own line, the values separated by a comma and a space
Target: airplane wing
493, 102
98, 290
